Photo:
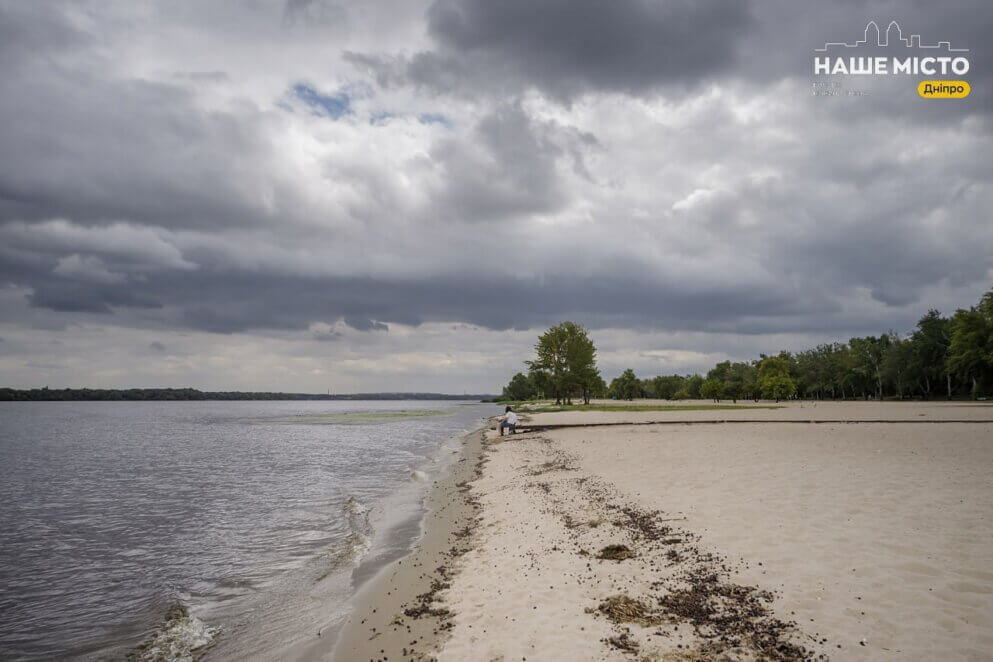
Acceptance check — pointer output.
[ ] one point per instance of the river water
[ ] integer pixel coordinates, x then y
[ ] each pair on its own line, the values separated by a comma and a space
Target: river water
173, 530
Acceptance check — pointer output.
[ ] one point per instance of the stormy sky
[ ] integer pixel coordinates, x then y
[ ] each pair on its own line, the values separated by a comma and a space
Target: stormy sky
400, 195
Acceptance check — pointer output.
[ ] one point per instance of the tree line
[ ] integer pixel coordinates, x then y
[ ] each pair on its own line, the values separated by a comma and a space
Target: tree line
947, 357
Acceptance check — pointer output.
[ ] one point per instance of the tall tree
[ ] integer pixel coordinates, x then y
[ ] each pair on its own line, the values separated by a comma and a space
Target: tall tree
931, 341
567, 362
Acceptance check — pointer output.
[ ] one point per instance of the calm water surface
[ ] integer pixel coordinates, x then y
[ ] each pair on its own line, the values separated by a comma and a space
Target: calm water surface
233, 526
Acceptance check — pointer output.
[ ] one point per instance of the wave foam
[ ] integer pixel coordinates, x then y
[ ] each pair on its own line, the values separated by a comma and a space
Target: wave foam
353, 546
178, 639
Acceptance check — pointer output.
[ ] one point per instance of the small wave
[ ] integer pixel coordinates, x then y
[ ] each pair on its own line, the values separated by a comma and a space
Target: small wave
419, 476
348, 551
353, 506
181, 638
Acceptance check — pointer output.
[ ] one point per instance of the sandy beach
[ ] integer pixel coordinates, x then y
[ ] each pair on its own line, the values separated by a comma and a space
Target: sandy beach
761, 539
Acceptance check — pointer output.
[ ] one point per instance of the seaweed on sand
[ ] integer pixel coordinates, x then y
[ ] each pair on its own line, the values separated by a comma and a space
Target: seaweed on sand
624, 642
616, 553
426, 600
622, 609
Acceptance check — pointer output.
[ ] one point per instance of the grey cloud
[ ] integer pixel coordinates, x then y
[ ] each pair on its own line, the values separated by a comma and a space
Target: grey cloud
79, 297
509, 167
86, 268
237, 302
27, 28
363, 324
641, 48
203, 76
328, 335
567, 48
157, 346
312, 13
92, 147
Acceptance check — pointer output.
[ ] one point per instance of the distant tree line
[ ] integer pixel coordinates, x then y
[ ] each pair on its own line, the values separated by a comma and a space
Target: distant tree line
948, 357
68, 394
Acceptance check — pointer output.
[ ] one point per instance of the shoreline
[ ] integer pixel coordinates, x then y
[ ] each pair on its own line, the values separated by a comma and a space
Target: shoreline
393, 613
674, 543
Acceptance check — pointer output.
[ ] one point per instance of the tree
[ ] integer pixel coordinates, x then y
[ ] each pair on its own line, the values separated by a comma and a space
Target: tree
519, 388
899, 365
712, 389
931, 341
598, 388
666, 387
970, 350
740, 381
626, 386
778, 387
692, 385
567, 362
774, 378
868, 354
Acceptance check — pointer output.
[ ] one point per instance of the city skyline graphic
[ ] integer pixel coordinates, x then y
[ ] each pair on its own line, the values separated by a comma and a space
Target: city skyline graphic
873, 37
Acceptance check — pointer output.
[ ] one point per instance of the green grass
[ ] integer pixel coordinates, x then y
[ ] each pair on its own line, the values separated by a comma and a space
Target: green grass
545, 409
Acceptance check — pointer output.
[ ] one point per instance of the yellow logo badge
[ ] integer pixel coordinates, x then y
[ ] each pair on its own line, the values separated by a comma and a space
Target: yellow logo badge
943, 89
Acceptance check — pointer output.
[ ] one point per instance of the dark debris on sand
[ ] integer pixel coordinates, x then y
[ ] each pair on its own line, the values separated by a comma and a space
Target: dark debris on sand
728, 621
623, 609
615, 553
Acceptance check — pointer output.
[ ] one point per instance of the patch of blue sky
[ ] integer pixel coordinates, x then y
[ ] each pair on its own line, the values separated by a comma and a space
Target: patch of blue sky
331, 105
378, 117
435, 118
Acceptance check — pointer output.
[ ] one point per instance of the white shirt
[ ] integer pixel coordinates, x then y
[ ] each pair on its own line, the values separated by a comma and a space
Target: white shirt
511, 418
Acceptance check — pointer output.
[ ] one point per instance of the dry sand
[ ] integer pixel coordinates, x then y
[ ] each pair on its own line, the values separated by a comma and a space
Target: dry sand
772, 411
759, 540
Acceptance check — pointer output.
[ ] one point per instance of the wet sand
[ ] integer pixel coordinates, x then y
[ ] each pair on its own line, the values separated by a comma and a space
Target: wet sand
760, 540
395, 615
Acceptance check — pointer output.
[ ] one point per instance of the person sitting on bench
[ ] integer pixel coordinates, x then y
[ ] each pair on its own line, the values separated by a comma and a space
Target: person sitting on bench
508, 421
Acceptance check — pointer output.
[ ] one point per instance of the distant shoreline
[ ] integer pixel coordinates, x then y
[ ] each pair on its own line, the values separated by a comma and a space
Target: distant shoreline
188, 394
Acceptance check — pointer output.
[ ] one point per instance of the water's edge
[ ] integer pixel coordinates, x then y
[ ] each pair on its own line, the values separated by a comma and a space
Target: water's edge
383, 597
391, 540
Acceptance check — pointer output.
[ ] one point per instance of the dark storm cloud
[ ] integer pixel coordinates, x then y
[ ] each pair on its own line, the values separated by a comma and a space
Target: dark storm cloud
76, 297
80, 144
235, 302
68, 152
642, 47
567, 47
